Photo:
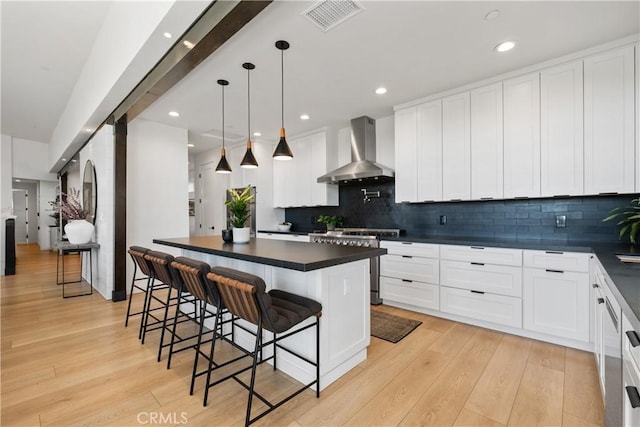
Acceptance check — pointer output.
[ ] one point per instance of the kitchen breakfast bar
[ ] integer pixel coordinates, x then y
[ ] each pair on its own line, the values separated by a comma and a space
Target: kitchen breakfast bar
336, 276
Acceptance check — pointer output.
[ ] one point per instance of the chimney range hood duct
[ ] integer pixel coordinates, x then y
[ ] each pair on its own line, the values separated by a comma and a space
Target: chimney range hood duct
363, 166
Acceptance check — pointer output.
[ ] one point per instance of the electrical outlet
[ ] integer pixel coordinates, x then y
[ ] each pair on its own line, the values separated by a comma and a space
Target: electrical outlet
561, 221
443, 220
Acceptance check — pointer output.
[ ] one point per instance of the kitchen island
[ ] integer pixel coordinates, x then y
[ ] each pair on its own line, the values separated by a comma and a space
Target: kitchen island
335, 276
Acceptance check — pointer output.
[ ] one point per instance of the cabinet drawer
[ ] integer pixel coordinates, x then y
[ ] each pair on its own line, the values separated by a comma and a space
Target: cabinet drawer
411, 268
410, 292
426, 250
481, 254
496, 279
631, 337
557, 260
493, 308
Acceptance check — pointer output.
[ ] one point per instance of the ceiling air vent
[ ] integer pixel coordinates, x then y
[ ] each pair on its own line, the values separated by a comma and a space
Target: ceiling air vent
326, 14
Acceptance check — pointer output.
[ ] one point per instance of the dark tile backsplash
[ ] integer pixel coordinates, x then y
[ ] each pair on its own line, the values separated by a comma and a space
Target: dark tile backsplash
523, 219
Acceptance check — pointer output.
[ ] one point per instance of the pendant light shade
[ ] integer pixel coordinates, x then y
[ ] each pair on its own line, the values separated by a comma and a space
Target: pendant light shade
249, 160
282, 152
223, 164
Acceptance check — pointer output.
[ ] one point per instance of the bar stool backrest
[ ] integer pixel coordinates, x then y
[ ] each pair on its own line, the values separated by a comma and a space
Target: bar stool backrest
160, 262
137, 255
244, 295
193, 276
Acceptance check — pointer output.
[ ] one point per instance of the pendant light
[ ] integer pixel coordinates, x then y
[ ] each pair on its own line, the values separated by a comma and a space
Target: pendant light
282, 152
249, 160
223, 164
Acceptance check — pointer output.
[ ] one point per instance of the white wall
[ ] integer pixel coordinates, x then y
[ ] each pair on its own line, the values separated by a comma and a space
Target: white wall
157, 180
31, 160
100, 150
127, 46
6, 198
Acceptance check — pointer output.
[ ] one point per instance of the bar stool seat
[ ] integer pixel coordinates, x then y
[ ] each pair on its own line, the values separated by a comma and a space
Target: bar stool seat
276, 311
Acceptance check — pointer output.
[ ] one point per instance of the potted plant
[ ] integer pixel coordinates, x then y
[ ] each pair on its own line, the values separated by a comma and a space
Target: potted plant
331, 221
77, 229
629, 220
239, 213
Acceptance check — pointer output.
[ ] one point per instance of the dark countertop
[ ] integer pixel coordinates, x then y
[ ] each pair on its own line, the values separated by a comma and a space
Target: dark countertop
297, 233
625, 276
301, 256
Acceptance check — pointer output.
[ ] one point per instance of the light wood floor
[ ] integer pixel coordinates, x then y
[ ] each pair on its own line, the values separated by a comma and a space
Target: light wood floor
72, 362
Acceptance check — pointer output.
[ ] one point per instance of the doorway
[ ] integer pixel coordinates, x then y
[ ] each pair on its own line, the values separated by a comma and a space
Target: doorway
25, 208
212, 196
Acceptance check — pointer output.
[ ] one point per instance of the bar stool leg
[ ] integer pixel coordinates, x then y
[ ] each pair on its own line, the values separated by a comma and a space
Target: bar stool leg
213, 345
173, 331
198, 345
164, 322
253, 370
317, 357
135, 270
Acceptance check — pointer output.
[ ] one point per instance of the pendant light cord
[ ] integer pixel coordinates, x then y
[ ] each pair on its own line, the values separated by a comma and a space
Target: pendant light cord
223, 117
248, 106
282, 85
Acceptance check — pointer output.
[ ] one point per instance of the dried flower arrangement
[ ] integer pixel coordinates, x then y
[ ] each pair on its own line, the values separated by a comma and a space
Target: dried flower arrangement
69, 205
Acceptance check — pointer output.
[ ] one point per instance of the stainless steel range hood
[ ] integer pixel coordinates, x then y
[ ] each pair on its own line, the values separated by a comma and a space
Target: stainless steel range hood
363, 166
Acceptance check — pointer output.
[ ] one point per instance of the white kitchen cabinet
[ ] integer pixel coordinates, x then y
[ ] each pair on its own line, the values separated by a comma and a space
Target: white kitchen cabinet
500, 309
630, 374
283, 236
637, 118
486, 142
456, 147
482, 254
295, 181
406, 163
598, 285
418, 153
496, 279
556, 302
561, 136
609, 150
521, 133
410, 274
429, 151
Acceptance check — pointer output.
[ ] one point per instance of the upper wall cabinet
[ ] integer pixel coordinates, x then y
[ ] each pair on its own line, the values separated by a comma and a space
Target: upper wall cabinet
294, 181
609, 162
521, 98
456, 147
562, 143
406, 165
429, 152
486, 142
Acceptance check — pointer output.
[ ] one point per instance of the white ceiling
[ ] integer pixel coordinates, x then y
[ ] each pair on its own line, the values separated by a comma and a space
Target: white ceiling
414, 49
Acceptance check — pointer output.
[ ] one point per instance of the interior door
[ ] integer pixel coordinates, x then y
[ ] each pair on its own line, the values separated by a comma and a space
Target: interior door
20, 211
212, 196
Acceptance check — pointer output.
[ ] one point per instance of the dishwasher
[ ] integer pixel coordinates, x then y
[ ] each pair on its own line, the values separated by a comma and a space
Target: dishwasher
612, 362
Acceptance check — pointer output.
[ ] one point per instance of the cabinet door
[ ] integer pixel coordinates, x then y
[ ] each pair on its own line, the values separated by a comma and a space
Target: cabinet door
609, 163
429, 151
521, 98
598, 339
301, 177
637, 118
561, 144
405, 150
556, 303
486, 142
456, 148
321, 194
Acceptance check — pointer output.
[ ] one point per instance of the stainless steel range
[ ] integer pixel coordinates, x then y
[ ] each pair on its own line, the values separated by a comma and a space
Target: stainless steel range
363, 237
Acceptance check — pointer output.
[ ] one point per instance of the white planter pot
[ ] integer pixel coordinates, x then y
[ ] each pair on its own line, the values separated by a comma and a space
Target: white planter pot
241, 235
79, 231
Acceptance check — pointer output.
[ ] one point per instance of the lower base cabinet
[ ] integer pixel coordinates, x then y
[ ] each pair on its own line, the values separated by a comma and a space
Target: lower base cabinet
630, 374
556, 302
410, 292
499, 309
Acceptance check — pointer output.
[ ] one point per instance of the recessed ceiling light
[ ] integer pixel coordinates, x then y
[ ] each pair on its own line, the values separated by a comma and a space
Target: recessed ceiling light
74, 161
174, 114
87, 129
168, 35
18, 180
505, 46
190, 145
257, 134
381, 90
64, 160
304, 117
188, 44
491, 15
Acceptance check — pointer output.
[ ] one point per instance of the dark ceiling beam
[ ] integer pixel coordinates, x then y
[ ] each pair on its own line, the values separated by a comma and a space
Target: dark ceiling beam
216, 25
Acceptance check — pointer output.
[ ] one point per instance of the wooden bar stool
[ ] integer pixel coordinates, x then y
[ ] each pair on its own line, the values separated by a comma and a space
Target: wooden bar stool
276, 311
